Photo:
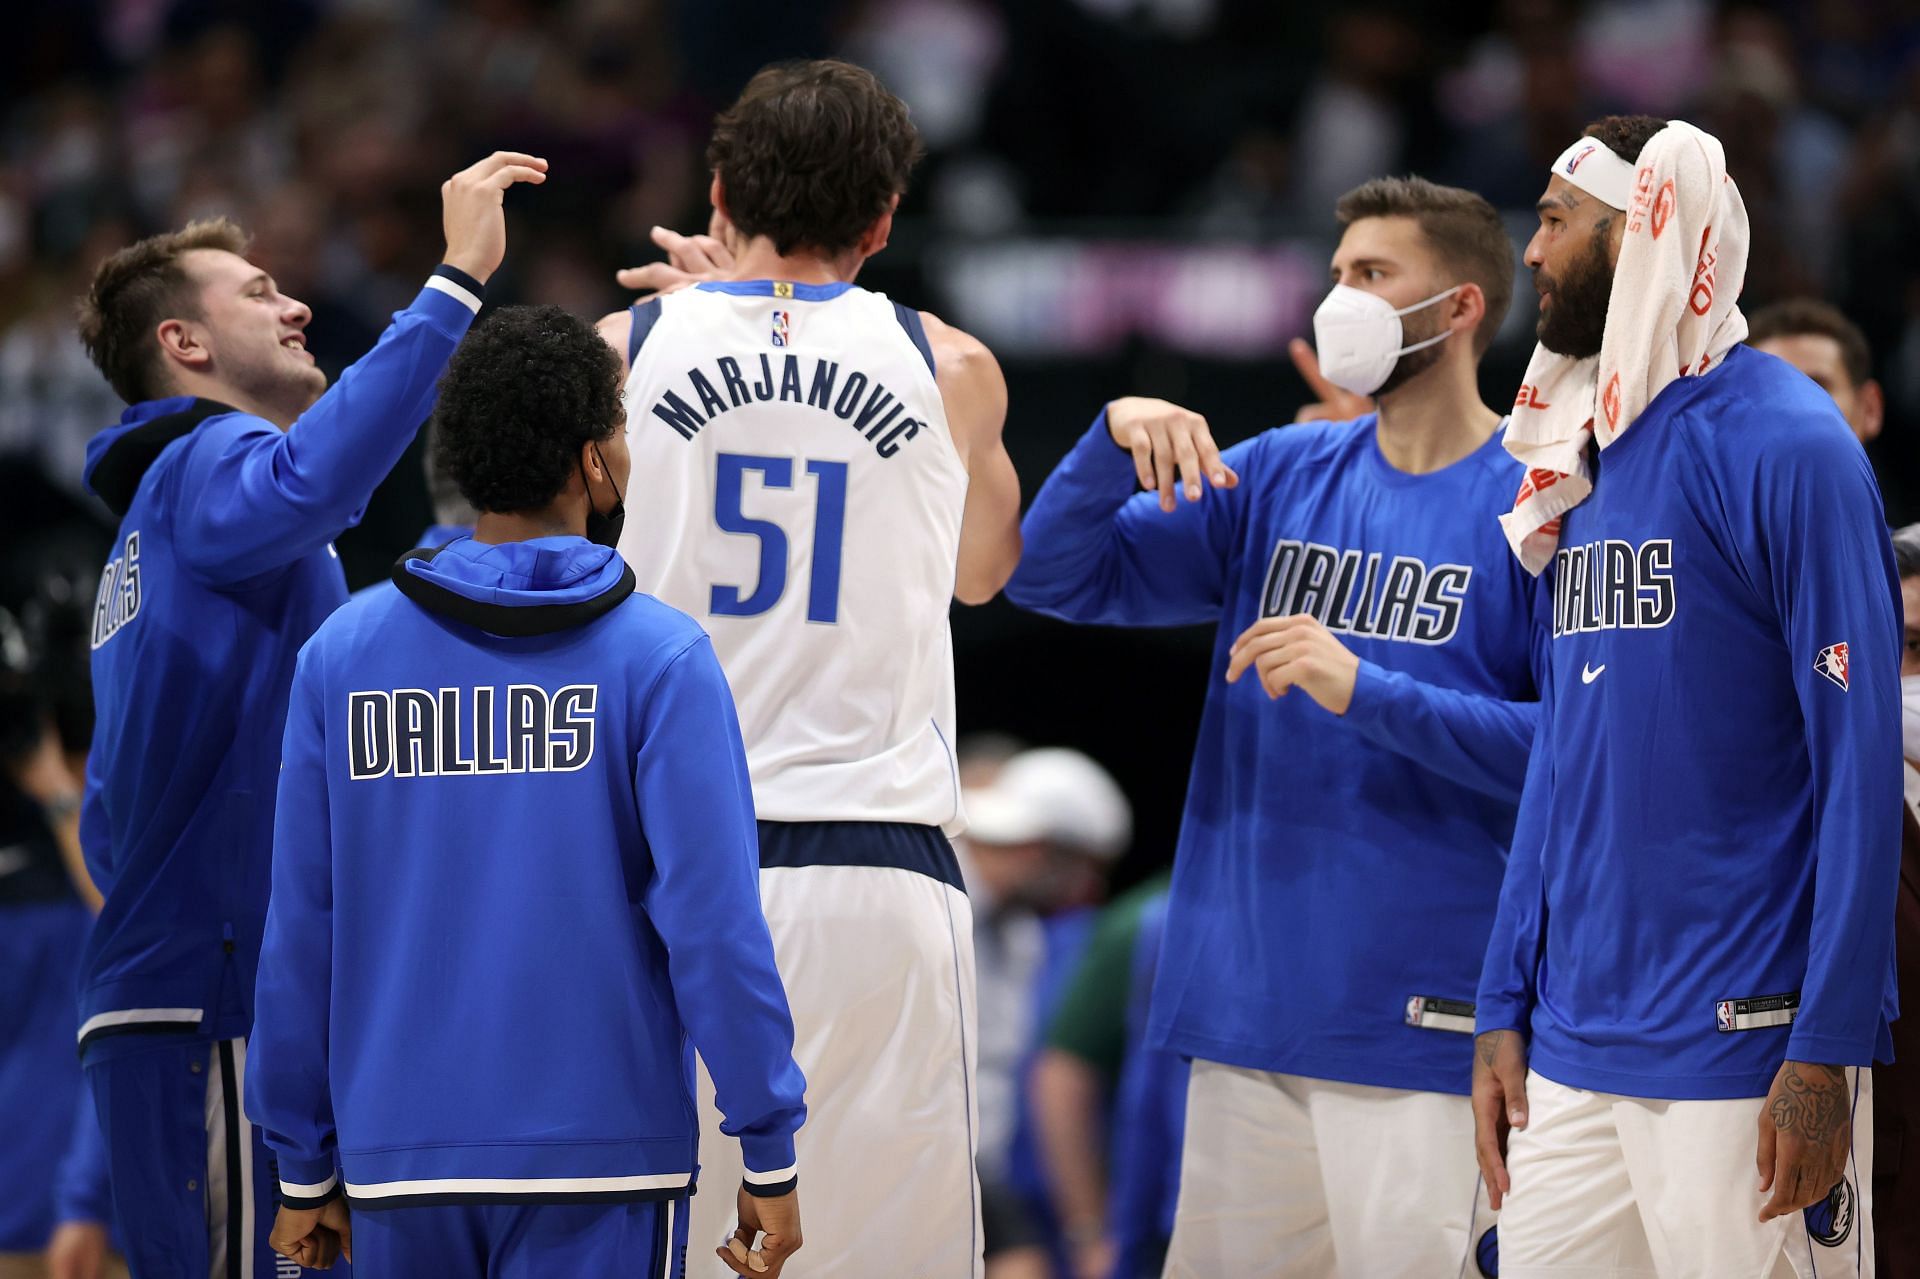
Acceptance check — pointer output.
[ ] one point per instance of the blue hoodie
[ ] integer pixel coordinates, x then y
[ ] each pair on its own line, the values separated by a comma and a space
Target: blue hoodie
222, 567
515, 885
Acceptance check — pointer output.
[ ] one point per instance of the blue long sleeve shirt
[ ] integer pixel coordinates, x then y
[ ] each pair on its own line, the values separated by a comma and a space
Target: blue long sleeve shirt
1704, 878
515, 885
1336, 876
222, 567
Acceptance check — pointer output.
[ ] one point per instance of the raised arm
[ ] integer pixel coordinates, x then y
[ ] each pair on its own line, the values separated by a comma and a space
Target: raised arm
253, 499
1097, 550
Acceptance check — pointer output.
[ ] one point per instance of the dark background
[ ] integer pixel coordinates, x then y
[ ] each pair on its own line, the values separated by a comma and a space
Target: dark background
1122, 196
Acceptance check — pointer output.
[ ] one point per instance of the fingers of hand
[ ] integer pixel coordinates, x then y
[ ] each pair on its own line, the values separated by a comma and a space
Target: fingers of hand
1512, 1074
1187, 454
1487, 1145
1142, 450
1764, 1152
1163, 463
505, 177
492, 164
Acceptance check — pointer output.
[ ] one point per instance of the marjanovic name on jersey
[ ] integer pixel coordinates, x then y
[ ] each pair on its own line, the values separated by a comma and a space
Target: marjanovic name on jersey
862, 402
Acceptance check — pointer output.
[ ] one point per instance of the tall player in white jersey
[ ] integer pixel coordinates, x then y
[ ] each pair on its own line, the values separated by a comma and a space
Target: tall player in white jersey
819, 473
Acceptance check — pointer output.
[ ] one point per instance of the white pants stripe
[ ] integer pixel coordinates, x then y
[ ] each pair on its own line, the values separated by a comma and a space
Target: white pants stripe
229, 1181
1310, 1179
1612, 1187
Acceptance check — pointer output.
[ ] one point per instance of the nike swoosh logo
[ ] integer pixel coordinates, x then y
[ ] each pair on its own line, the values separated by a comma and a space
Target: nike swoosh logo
1588, 674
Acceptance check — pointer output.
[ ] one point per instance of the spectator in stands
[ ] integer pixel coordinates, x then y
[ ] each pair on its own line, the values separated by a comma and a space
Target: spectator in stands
1082, 1110
1040, 838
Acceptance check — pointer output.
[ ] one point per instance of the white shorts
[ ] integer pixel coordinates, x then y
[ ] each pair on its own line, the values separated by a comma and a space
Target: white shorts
878, 966
1611, 1187
1311, 1179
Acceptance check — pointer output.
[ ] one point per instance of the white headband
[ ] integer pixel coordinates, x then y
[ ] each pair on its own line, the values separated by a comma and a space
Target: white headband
1591, 165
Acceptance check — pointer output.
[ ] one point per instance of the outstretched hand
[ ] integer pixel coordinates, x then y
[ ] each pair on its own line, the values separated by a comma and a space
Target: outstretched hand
690, 260
471, 210
1166, 439
1333, 404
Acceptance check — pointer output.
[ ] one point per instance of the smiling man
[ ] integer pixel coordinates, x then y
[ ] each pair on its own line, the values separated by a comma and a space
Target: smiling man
232, 471
1341, 850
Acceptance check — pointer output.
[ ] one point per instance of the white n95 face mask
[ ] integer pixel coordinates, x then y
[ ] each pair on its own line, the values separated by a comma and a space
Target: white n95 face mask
1357, 336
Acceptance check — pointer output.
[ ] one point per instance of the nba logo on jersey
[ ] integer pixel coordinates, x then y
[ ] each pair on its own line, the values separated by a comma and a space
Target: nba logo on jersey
1724, 1009
1832, 663
782, 327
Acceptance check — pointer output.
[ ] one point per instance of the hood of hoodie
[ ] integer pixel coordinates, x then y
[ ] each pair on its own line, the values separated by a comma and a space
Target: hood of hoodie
118, 457
536, 587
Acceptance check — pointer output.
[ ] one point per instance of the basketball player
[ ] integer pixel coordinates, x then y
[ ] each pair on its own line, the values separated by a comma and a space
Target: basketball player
560, 838
1359, 761
232, 470
1693, 956
1819, 340
819, 473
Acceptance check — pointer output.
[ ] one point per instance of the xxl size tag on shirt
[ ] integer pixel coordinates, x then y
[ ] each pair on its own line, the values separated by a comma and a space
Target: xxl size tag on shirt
1757, 1012
1429, 1013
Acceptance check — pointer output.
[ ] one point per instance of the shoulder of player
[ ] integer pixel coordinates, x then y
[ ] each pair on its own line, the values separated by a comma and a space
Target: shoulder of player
1305, 444
652, 629
1757, 410
960, 360
617, 328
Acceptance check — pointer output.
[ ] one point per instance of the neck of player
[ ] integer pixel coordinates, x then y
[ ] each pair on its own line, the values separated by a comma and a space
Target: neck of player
760, 260
1436, 419
564, 518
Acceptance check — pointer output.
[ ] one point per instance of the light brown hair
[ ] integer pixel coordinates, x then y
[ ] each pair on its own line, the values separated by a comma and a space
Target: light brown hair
1462, 228
133, 291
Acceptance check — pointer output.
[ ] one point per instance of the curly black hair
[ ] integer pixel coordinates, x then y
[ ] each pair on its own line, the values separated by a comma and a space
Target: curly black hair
810, 154
527, 388
1625, 135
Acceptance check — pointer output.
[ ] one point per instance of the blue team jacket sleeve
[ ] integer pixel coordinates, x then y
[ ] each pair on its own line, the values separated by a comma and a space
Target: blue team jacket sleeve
81, 1189
1470, 738
252, 498
1098, 551
696, 809
287, 1091
1507, 975
1830, 571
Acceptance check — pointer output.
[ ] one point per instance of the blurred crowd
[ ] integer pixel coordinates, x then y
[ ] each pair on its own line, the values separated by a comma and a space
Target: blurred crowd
324, 125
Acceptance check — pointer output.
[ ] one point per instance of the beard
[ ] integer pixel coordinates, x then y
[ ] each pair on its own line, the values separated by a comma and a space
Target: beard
1575, 321
1413, 363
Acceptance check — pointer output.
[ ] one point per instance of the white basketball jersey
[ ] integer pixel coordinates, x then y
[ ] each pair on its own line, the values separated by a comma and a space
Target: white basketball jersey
795, 489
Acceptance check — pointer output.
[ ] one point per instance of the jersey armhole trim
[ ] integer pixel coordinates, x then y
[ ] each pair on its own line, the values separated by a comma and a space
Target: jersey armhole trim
917, 331
645, 316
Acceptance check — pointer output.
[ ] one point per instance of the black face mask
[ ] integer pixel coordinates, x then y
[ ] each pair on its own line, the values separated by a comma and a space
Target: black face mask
604, 529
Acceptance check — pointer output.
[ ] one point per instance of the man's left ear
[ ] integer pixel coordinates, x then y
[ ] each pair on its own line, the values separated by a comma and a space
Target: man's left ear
880, 232
1469, 308
1871, 406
